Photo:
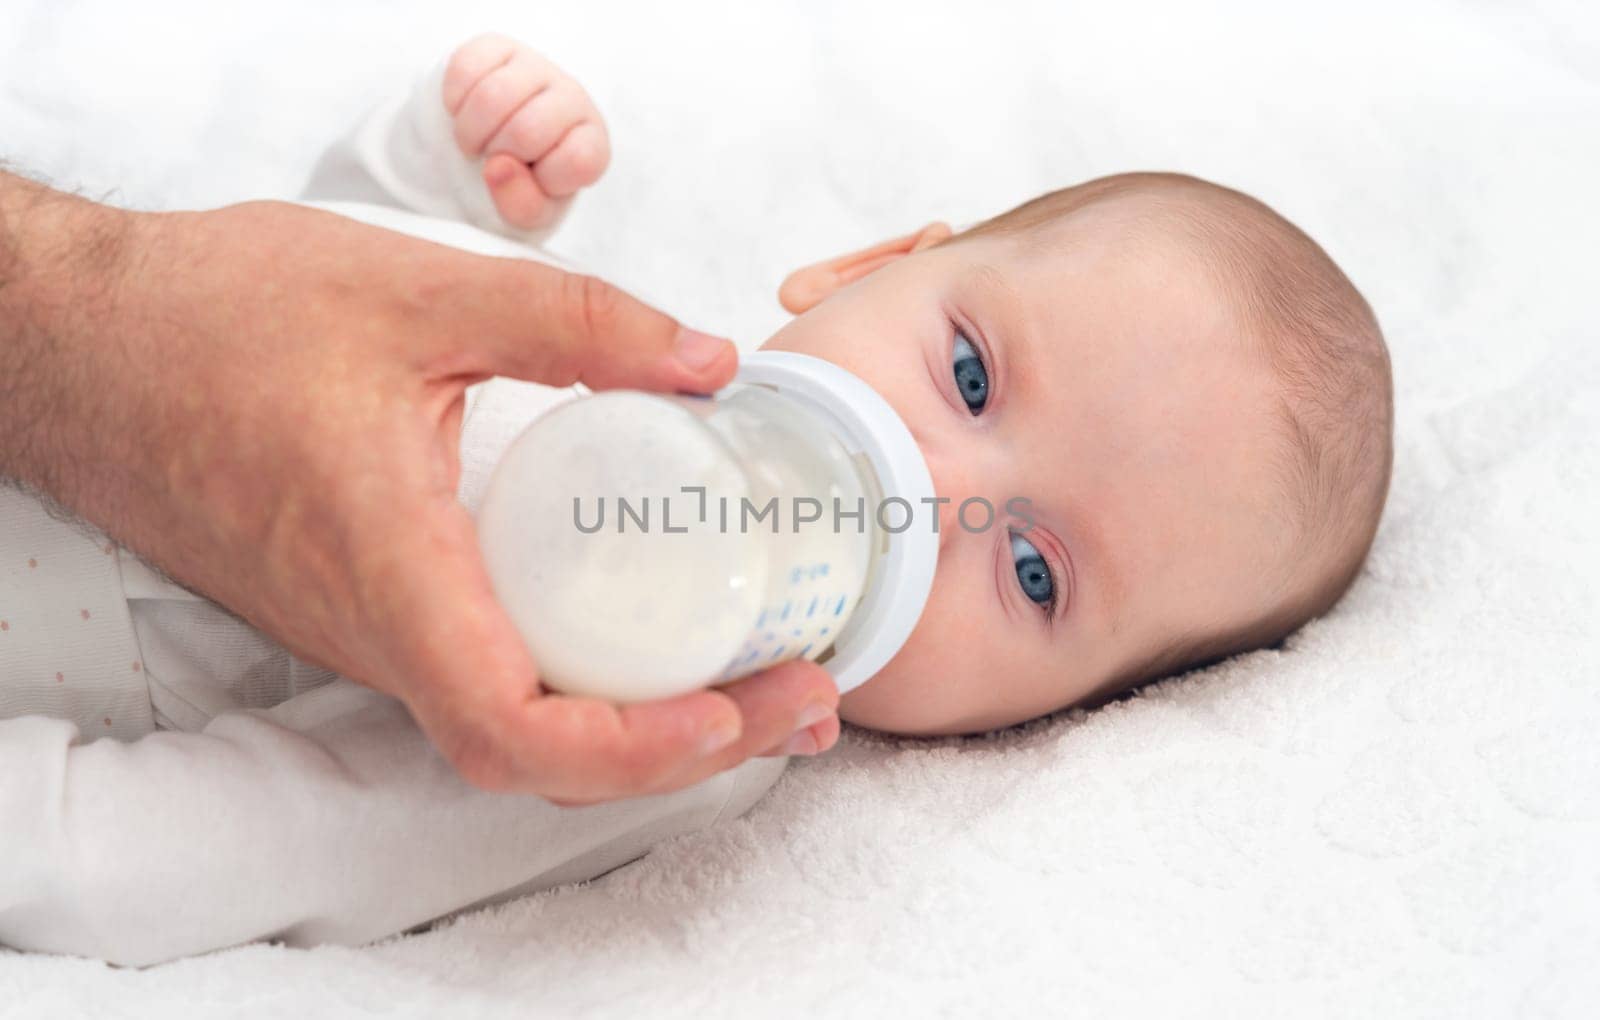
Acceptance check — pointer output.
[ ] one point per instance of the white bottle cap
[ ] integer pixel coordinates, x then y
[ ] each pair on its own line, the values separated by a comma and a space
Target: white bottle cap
865, 424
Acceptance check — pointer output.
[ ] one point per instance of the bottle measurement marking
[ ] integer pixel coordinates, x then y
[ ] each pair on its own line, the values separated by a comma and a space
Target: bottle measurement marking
771, 641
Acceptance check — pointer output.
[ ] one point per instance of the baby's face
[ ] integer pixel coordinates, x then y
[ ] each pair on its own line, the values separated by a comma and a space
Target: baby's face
1103, 381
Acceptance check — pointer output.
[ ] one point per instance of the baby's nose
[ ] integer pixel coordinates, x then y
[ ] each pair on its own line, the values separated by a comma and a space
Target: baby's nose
950, 487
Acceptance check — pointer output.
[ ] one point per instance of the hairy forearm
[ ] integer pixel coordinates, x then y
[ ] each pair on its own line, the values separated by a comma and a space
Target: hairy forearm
61, 261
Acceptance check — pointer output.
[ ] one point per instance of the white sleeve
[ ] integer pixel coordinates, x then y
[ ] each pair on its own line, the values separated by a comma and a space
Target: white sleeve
404, 154
328, 818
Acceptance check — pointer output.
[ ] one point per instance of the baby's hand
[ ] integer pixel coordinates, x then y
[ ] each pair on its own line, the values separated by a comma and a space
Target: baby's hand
542, 134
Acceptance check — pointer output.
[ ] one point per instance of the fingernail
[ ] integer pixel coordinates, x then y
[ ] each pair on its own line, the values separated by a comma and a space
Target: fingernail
811, 715
695, 350
716, 740
801, 743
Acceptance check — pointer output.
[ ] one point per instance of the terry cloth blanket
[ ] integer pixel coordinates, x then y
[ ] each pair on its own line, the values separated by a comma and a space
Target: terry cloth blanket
1397, 814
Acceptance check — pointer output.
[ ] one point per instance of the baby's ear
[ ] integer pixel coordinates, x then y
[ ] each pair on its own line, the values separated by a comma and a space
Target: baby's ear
805, 288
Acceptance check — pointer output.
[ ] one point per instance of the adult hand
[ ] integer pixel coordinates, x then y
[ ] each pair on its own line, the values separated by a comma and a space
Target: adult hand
265, 401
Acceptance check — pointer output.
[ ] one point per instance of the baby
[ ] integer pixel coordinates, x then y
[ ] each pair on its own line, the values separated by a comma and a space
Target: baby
1193, 398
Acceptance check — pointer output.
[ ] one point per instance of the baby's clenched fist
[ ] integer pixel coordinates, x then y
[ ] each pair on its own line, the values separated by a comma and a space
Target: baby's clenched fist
541, 136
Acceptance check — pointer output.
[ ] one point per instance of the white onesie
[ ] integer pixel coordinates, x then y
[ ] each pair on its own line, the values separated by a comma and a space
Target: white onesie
238, 793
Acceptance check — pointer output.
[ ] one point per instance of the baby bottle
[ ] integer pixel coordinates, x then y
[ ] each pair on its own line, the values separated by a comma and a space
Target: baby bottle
647, 545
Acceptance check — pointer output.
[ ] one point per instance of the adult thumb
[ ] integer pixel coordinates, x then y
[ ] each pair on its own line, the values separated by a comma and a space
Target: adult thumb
536, 322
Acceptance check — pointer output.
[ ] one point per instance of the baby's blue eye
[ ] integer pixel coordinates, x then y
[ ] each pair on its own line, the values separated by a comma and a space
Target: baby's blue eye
1033, 573
972, 379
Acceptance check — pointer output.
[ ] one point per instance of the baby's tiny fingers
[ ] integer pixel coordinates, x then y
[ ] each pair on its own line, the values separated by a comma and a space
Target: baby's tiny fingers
471, 61
539, 124
516, 195
577, 161
497, 98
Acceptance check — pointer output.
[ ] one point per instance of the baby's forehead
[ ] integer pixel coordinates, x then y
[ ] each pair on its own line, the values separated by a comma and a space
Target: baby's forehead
1166, 234
1116, 267
1125, 333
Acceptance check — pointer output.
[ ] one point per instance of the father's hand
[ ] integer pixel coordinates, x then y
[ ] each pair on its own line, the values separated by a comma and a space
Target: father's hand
266, 401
